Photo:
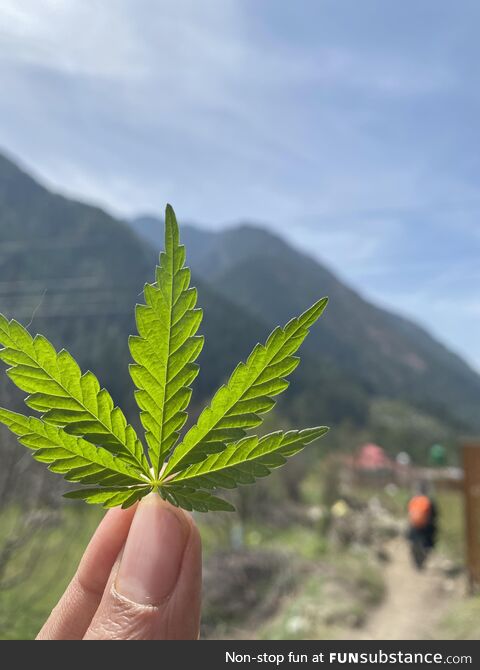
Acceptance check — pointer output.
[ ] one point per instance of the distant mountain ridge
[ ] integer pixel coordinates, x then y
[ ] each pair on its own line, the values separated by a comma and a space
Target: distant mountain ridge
387, 355
75, 273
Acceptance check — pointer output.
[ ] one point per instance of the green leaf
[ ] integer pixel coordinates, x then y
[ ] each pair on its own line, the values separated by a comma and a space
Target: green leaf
84, 437
166, 348
73, 457
109, 497
244, 461
64, 396
237, 406
193, 500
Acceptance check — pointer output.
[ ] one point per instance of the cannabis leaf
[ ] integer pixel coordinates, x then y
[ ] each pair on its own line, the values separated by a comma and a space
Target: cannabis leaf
166, 348
75, 458
63, 395
82, 435
244, 461
249, 392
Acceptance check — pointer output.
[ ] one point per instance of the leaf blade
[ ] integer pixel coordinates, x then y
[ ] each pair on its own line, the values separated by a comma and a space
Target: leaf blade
194, 500
109, 497
256, 381
63, 395
72, 456
166, 347
244, 461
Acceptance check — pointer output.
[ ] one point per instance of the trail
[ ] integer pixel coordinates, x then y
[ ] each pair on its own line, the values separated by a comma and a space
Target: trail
415, 601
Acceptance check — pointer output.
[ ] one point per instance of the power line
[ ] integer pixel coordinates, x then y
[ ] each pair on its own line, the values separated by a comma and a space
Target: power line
63, 313
96, 291
52, 243
65, 281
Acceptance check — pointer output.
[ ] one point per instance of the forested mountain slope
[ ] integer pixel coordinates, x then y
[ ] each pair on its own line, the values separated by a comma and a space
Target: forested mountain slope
384, 354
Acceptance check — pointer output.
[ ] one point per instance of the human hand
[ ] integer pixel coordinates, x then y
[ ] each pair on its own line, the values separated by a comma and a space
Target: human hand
139, 579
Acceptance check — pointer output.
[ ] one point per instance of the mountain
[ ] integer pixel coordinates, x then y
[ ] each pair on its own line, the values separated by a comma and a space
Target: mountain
385, 354
74, 273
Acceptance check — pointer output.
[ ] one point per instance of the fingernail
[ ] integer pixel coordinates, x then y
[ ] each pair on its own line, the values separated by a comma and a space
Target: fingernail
153, 552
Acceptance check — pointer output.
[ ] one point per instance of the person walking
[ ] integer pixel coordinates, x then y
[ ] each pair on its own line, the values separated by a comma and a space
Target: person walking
423, 524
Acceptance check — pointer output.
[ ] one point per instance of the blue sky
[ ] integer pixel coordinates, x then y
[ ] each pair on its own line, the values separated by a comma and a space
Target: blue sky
352, 128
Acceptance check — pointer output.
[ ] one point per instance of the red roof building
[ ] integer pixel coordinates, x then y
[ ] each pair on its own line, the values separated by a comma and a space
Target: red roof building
372, 457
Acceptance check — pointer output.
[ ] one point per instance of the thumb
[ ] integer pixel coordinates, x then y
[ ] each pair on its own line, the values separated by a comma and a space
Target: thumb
155, 592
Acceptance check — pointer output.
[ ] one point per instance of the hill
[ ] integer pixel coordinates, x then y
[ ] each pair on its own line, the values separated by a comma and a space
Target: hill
75, 273
385, 354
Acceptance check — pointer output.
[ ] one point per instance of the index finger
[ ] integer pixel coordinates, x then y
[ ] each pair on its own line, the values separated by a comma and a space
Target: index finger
71, 617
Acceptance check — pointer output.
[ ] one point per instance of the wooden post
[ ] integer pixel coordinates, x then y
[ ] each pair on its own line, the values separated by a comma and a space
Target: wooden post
471, 482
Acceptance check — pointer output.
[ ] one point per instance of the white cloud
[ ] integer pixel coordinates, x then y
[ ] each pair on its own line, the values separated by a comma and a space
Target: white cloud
351, 67
76, 38
354, 249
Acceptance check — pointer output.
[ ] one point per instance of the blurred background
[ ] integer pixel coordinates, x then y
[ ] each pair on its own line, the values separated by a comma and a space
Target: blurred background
309, 149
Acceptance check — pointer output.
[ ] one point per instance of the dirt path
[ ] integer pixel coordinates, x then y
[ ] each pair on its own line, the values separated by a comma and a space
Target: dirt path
415, 601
